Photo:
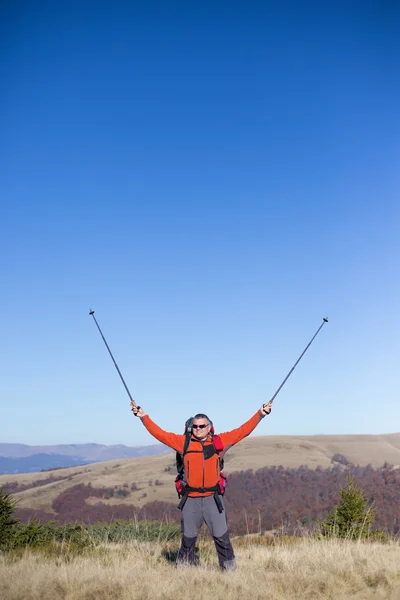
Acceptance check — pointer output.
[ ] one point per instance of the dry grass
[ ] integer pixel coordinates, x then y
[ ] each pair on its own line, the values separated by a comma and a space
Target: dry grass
305, 570
252, 453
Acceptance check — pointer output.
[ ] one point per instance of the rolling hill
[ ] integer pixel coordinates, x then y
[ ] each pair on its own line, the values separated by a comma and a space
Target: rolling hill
138, 481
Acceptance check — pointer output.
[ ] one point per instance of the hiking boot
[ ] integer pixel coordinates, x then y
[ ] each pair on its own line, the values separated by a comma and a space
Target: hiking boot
229, 565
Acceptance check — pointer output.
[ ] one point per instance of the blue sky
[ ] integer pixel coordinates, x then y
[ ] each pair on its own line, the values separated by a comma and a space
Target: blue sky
212, 179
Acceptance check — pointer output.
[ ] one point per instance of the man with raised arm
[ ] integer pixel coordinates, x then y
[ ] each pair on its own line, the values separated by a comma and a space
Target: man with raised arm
202, 455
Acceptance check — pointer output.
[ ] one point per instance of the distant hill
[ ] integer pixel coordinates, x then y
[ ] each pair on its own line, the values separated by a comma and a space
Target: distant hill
21, 458
38, 462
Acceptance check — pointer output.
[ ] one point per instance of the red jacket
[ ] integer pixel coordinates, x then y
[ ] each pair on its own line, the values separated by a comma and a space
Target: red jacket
201, 473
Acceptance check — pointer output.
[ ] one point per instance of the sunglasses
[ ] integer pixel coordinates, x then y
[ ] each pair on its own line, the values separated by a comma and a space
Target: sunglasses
199, 426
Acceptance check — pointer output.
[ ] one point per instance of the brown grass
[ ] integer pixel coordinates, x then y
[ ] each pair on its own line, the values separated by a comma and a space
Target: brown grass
252, 453
305, 570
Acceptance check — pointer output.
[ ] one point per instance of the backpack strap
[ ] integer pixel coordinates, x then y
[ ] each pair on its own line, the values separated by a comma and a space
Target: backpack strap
187, 442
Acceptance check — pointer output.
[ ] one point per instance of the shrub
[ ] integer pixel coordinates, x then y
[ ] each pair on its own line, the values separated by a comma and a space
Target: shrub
129, 531
352, 518
7, 520
39, 535
340, 458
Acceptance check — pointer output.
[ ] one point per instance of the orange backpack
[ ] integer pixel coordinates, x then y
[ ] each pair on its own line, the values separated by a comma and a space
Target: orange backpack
182, 488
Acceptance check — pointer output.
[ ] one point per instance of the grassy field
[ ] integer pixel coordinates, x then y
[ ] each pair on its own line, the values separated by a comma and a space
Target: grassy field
303, 569
252, 453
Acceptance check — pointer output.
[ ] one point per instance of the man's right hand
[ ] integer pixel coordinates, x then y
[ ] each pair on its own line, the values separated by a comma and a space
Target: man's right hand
266, 408
137, 410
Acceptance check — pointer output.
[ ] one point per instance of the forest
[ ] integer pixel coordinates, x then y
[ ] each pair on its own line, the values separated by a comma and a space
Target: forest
256, 501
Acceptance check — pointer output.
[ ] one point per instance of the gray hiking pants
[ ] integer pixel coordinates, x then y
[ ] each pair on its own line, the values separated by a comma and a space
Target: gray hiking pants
195, 512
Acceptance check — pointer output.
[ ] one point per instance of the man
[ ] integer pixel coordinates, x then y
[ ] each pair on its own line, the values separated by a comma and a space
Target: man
202, 473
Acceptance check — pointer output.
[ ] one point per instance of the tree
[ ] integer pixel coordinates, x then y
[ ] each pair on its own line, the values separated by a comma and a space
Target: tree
7, 520
352, 518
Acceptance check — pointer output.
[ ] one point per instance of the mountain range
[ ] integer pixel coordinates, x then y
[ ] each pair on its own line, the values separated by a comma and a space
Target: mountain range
21, 458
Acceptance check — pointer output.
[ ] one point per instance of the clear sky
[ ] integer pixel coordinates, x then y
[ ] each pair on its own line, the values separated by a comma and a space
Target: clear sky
213, 179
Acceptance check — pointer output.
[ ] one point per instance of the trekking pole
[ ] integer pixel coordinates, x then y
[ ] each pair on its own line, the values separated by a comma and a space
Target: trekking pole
91, 312
325, 320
